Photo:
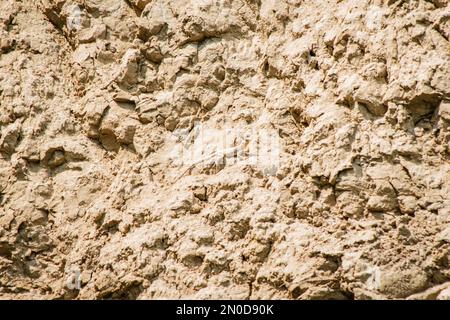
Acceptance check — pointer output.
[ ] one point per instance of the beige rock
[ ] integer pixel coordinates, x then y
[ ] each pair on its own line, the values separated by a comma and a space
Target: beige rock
444, 294
402, 283
433, 293
209, 149
444, 110
408, 204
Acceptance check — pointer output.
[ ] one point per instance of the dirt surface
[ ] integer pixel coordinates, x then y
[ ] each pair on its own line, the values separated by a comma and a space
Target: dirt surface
238, 149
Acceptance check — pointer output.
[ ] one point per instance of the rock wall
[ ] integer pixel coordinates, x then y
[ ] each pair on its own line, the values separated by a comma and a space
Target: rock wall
105, 104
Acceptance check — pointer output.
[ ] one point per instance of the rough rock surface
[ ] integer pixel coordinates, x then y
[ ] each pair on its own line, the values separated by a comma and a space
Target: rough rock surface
93, 91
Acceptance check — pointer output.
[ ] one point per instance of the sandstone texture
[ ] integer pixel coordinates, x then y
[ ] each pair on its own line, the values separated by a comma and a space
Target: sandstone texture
98, 97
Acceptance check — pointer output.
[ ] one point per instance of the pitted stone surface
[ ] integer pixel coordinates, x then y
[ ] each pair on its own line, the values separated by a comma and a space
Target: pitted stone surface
97, 97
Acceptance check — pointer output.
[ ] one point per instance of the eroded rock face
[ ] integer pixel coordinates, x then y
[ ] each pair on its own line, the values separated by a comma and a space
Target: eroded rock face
105, 104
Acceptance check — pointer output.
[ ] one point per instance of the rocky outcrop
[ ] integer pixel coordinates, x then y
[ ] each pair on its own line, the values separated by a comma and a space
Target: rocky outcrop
224, 149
